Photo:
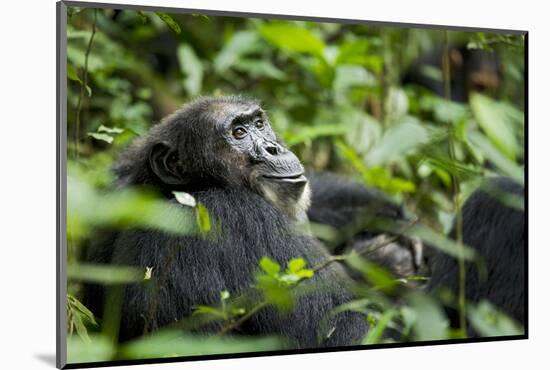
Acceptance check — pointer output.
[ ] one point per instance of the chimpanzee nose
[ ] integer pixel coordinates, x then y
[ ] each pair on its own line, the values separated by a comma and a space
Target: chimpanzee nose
272, 148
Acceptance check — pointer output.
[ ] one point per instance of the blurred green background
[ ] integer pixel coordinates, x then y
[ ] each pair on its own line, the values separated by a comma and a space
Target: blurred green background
333, 93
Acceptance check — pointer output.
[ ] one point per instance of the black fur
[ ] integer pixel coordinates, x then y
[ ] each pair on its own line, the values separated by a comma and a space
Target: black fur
497, 233
195, 268
341, 203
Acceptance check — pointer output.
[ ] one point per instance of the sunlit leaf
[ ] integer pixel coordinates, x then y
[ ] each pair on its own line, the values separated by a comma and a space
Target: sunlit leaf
296, 264
203, 218
102, 137
288, 36
269, 266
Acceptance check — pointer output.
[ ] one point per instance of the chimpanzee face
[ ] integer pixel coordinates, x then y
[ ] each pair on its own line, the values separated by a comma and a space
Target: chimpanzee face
229, 142
256, 155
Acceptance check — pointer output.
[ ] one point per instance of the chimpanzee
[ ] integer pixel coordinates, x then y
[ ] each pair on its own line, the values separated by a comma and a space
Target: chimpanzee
471, 70
496, 231
224, 153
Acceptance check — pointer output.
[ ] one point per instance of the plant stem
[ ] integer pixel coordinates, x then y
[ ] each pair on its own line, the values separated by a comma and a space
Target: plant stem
83, 86
456, 195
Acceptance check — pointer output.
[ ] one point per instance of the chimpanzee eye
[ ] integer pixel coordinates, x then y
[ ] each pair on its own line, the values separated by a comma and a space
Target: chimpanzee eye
259, 124
239, 132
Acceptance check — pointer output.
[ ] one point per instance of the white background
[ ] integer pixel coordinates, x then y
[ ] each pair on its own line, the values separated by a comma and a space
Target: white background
27, 182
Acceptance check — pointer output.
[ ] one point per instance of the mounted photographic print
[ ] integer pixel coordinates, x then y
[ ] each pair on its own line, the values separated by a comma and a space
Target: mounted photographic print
235, 185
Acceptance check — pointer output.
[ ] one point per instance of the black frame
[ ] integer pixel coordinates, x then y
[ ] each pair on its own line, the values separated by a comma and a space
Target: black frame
61, 187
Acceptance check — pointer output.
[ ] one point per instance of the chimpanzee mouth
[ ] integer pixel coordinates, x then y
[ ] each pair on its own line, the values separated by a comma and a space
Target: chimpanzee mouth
286, 178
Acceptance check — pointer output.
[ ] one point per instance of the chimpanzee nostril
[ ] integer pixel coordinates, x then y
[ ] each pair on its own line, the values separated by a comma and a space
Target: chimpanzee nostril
272, 149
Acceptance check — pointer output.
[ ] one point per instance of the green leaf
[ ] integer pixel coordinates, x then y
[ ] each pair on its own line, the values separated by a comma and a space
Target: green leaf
110, 130
103, 274
488, 321
269, 266
100, 348
203, 218
351, 75
170, 22
240, 44
260, 68
375, 333
102, 137
72, 74
191, 66
496, 123
296, 264
76, 304
502, 162
171, 343
431, 323
290, 37
304, 273
396, 142
307, 134
80, 328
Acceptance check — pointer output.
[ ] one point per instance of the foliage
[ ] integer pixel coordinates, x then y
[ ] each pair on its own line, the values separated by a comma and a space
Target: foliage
333, 93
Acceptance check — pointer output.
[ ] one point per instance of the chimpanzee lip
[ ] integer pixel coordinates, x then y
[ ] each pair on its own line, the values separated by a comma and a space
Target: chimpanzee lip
286, 178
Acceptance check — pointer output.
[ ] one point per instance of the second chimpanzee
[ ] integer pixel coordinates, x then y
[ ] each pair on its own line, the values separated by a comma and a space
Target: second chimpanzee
496, 231
471, 70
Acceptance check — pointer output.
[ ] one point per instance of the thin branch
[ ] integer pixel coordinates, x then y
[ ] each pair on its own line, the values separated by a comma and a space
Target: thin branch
83, 86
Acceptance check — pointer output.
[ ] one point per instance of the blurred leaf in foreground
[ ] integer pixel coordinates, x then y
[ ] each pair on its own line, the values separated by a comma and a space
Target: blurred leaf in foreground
172, 343
488, 321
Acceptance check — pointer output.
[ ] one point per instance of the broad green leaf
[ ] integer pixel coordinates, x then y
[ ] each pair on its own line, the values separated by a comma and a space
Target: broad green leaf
488, 321
104, 274
287, 36
170, 22
171, 343
502, 162
191, 66
431, 323
397, 141
269, 266
88, 208
495, 123
352, 75
100, 348
240, 44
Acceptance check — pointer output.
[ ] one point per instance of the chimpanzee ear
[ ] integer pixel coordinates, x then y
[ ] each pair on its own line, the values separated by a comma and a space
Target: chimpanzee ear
163, 161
